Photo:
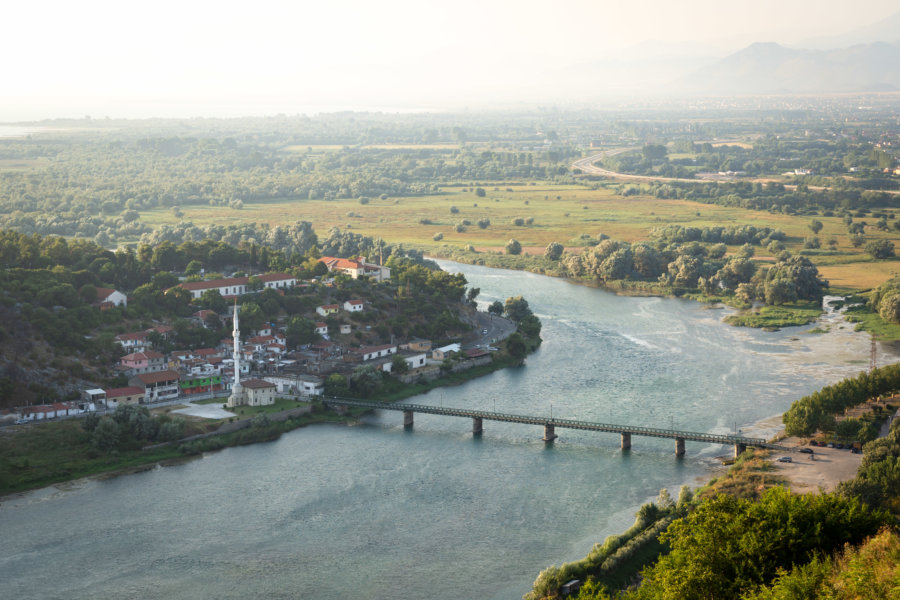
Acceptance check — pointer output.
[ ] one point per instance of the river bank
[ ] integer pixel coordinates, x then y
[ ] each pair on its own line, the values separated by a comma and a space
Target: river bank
39, 463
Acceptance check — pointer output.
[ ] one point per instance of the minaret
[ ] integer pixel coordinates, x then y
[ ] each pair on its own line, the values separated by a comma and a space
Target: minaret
237, 391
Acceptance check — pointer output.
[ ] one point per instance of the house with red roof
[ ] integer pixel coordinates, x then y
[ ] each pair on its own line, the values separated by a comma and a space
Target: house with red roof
354, 305
158, 387
108, 297
328, 309
356, 267
125, 395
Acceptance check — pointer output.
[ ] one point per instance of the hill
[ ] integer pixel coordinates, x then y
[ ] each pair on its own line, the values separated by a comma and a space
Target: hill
769, 68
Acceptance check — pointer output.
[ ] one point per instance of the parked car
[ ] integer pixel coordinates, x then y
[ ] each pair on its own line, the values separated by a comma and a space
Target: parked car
806, 450
855, 450
484, 332
839, 446
784, 459
21, 421
813, 443
830, 445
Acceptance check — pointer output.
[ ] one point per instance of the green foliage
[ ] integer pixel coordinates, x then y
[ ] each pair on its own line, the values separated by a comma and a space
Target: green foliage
554, 251
516, 308
877, 483
336, 385
816, 411
728, 546
513, 247
365, 380
880, 249
516, 347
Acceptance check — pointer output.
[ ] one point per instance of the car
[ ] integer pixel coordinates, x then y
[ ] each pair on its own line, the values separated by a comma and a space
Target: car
855, 450
21, 421
784, 459
813, 443
484, 332
807, 451
839, 446
829, 445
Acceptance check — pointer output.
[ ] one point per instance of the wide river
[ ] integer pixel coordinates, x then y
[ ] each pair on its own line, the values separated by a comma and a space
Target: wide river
373, 511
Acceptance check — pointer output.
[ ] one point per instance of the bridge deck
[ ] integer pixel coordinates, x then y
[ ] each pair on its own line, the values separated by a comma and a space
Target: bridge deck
565, 423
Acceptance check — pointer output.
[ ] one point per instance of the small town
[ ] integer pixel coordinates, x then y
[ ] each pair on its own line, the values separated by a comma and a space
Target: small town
264, 363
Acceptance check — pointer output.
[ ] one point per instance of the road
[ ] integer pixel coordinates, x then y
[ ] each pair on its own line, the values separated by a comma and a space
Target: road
498, 328
588, 167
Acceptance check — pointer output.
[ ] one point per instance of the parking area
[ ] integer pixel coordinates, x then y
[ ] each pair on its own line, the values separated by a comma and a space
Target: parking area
823, 469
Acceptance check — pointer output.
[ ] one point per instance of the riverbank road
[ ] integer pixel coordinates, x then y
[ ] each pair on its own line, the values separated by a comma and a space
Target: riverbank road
489, 329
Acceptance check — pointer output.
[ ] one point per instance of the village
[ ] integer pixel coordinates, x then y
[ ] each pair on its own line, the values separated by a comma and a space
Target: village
265, 364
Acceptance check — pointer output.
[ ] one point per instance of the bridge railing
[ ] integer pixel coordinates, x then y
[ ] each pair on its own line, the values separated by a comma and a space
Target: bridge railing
556, 422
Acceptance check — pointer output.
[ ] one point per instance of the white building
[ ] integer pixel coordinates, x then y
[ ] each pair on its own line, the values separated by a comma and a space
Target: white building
238, 286
354, 305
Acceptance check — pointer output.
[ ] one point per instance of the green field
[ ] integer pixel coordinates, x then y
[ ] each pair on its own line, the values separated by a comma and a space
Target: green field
560, 214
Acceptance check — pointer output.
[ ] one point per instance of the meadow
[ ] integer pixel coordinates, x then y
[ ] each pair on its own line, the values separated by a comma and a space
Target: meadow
560, 213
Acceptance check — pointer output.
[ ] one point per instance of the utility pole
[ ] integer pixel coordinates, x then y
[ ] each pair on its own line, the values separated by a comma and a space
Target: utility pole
873, 354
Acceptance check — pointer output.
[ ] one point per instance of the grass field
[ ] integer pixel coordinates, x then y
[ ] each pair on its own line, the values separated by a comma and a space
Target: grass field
560, 214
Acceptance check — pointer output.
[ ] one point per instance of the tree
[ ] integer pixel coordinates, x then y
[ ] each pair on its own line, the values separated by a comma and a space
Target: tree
399, 366
336, 385
516, 347
301, 331
889, 308
480, 192
513, 247
251, 316
193, 268
365, 380
471, 294
729, 546
496, 308
88, 293
516, 308
815, 226
554, 251
879, 249
106, 434
213, 300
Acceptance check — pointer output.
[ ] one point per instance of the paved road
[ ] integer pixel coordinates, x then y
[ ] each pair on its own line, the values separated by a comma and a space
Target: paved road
498, 328
588, 167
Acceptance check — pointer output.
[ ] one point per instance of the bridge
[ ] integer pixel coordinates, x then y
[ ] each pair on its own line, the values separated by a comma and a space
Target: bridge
550, 424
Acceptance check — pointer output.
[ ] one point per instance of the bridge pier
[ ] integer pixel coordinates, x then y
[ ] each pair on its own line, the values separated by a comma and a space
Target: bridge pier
549, 433
408, 419
679, 446
626, 441
739, 449
476, 426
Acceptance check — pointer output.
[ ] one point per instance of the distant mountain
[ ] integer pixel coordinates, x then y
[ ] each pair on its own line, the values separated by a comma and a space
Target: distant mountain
886, 30
769, 68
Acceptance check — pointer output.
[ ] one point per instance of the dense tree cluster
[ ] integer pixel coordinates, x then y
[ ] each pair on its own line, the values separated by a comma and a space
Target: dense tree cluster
728, 547
816, 412
693, 265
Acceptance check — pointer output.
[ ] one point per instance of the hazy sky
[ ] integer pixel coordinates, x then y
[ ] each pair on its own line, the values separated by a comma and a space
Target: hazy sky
185, 58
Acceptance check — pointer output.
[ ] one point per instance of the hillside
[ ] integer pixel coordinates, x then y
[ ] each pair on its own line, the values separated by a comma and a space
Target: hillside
769, 68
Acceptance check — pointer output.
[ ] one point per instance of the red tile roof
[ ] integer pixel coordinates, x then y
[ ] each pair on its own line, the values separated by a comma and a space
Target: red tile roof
125, 391
157, 377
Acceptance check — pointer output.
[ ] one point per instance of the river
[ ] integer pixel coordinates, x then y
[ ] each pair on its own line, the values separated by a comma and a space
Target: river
374, 511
